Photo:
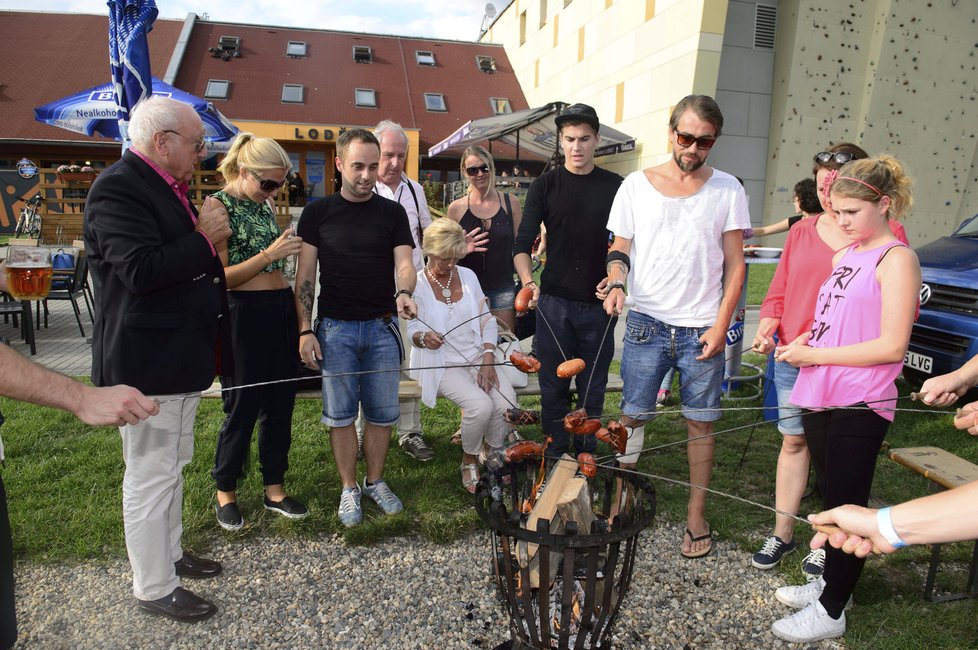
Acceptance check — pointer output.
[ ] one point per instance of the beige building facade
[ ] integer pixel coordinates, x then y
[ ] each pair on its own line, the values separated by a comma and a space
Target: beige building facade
792, 77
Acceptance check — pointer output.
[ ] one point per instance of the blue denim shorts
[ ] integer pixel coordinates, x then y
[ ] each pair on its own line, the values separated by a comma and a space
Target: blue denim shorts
789, 417
500, 299
651, 348
351, 346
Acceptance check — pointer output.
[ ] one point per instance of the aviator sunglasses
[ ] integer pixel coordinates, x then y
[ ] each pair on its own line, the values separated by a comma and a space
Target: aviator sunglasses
265, 184
839, 157
472, 171
687, 140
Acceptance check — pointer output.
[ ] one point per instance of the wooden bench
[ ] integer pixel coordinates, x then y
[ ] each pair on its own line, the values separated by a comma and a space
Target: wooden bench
945, 471
533, 385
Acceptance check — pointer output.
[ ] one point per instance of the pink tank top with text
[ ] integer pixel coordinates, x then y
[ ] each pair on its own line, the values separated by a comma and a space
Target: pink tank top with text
848, 311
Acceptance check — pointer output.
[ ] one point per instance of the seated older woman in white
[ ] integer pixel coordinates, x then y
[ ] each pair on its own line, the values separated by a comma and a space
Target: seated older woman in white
453, 340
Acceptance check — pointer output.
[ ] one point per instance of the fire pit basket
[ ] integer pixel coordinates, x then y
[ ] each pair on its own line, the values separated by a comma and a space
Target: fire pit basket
580, 577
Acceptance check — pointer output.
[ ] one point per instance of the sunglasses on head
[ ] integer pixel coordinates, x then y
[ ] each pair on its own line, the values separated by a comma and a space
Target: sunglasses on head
267, 185
472, 171
687, 140
839, 157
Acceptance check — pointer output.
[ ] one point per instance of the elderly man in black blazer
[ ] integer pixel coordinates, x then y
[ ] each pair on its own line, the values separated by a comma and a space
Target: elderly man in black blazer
160, 317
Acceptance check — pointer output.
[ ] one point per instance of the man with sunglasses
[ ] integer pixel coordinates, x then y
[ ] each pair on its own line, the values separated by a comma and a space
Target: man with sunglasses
572, 201
161, 310
678, 241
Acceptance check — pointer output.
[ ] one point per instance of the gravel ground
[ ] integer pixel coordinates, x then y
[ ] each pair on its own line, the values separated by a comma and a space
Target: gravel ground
403, 593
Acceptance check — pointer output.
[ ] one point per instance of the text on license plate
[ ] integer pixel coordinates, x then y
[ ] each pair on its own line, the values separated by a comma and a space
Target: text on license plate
918, 361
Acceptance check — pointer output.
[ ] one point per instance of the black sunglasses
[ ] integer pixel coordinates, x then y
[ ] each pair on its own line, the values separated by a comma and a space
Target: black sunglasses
472, 171
687, 140
839, 157
267, 185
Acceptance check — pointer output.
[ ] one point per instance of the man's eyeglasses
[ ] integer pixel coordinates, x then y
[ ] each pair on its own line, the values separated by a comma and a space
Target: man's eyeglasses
472, 171
839, 157
687, 139
198, 145
266, 185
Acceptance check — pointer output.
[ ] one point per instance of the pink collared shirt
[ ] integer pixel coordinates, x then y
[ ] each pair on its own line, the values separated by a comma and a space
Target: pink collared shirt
180, 189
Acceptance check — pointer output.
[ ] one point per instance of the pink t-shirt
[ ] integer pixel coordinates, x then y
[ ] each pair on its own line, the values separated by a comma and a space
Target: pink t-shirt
847, 312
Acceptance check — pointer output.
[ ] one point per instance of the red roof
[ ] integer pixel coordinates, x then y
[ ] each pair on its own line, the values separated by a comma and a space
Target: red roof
76, 57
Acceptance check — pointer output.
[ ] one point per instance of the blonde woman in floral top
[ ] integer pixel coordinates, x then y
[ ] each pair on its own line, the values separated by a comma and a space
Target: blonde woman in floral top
264, 330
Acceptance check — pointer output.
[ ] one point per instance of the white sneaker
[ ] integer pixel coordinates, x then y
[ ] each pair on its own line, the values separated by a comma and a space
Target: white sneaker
810, 624
801, 596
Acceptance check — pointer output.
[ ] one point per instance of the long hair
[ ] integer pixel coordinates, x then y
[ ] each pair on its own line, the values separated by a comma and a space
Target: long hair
872, 179
254, 153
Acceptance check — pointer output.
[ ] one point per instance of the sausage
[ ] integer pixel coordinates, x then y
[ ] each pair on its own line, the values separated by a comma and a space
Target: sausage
614, 436
519, 416
523, 450
578, 423
525, 362
523, 298
570, 368
585, 462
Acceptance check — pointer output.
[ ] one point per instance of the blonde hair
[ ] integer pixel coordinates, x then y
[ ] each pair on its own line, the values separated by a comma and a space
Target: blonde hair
254, 153
873, 178
444, 238
482, 154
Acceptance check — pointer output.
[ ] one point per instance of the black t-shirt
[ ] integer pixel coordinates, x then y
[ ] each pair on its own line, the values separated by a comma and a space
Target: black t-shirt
356, 244
574, 208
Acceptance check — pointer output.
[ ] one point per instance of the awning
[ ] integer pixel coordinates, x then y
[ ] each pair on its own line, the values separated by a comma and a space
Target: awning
532, 130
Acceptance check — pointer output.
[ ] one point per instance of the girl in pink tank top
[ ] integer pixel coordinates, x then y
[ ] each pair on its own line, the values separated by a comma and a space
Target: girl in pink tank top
850, 358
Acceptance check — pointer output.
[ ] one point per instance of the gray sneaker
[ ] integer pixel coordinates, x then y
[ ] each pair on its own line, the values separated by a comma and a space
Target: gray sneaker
414, 445
350, 512
382, 495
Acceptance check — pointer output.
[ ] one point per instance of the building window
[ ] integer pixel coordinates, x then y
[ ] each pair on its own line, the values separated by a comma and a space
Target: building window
485, 63
217, 89
435, 102
543, 13
362, 54
424, 58
295, 49
365, 97
522, 28
567, 2
292, 93
500, 105
765, 26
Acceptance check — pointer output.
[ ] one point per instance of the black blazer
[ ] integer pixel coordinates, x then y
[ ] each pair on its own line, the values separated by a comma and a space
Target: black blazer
160, 293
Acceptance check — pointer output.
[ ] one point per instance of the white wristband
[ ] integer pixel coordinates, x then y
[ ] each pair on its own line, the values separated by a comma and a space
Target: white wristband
885, 523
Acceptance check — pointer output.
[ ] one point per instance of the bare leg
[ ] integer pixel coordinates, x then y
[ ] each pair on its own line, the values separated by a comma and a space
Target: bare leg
275, 492
790, 485
699, 453
376, 441
344, 441
508, 317
224, 498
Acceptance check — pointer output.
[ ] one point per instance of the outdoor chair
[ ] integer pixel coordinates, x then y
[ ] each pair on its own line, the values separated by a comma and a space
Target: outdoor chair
71, 288
87, 285
11, 307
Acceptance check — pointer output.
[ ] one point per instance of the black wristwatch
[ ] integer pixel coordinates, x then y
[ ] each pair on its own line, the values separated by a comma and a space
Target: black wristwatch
616, 285
404, 291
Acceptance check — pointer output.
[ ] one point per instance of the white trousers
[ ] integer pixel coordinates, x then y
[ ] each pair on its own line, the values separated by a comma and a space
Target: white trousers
482, 412
155, 452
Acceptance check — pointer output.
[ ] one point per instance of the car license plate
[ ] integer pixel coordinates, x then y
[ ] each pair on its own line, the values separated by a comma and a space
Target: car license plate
919, 361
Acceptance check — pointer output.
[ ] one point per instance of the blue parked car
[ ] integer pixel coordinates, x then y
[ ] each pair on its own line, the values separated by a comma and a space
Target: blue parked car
946, 334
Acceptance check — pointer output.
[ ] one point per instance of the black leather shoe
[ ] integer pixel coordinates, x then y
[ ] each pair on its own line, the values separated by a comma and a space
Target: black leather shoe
182, 605
191, 567
287, 507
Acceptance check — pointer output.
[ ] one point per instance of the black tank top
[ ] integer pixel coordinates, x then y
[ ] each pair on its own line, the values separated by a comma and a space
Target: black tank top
494, 268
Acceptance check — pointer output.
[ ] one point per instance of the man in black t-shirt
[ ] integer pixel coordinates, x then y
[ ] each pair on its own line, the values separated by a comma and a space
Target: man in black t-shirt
573, 202
362, 244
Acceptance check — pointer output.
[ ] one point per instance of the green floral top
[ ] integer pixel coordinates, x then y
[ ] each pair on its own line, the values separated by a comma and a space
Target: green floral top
253, 229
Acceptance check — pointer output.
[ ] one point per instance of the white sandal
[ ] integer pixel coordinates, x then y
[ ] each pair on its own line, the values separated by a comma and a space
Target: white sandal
471, 480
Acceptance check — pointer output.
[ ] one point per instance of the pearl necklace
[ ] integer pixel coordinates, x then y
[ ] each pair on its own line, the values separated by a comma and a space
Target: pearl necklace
446, 291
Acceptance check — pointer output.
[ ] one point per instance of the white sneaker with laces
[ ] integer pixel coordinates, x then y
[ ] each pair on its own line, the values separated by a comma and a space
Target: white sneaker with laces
810, 624
814, 564
349, 511
801, 596
383, 496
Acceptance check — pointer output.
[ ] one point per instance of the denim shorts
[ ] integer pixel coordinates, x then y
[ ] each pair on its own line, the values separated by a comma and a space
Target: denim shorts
651, 348
789, 417
501, 299
351, 346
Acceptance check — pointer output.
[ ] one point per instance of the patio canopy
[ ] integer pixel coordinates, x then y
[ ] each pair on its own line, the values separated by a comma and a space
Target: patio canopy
532, 130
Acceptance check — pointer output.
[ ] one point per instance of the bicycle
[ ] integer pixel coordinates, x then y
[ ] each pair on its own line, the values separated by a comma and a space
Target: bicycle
29, 222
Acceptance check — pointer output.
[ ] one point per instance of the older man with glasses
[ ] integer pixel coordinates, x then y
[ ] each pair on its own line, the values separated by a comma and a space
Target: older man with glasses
160, 313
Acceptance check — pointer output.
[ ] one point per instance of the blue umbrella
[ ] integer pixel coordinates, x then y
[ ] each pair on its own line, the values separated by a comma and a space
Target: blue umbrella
94, 111
129, 23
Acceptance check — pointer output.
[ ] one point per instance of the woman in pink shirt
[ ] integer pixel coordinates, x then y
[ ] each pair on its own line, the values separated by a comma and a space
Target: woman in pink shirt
848, 359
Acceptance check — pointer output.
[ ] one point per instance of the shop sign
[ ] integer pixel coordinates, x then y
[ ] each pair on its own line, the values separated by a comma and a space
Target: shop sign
26, 168
319, 134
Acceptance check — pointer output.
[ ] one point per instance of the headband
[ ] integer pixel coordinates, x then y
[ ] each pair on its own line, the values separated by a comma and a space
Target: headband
856, 180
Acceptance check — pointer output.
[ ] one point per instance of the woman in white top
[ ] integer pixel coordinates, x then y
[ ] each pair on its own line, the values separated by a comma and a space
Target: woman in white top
453, 341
